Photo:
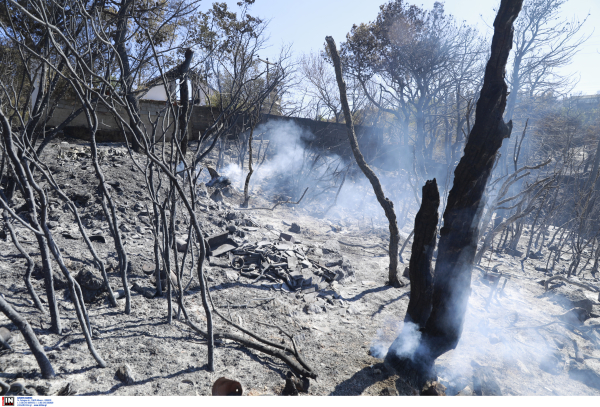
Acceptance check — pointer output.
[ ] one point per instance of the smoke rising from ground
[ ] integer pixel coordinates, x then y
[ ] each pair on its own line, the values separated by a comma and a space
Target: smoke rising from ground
492, 337
489, 336
388, 333
292, 165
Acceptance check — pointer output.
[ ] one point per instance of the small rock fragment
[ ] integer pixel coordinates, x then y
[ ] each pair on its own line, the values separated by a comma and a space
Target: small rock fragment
201, 190
569, 299
148, 268
232, 275
314, 309
89, 280
287, 238
217, 196
42, 390
433, 388
97, 238
331, 246
226, 191
125, 374
68, 390
389, 391
181, 245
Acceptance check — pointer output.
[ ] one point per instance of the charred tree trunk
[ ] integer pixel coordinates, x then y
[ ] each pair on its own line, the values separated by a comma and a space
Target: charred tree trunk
458, 241
30, 338
386, 204
184, 96
30, 264
460, 232
420, 272
16, 157
254, 122
127, 76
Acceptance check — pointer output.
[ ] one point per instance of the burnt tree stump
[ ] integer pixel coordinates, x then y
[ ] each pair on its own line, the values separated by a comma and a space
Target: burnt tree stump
420, 272
459, 235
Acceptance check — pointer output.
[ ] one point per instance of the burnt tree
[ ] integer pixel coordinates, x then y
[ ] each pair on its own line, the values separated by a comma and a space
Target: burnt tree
459, 234
34, 345
184, 97
386, 204
420, 272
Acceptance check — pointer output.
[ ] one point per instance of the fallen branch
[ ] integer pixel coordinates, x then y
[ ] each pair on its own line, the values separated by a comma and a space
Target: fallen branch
561, 278
246, 304
375, 246
296, 353
303, 370
277, 204
296, 367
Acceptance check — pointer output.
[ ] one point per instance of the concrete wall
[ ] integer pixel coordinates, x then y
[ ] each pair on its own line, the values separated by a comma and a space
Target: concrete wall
333, 137
326, 136
108, 127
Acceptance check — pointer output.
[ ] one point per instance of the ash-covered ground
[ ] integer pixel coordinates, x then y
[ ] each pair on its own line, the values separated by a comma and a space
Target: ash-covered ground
521, 340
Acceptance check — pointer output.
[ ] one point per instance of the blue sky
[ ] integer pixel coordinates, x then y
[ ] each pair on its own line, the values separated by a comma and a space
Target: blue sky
305, 23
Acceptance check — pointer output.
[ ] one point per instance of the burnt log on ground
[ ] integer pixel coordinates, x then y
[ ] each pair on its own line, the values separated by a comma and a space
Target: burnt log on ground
458, 236
420, 272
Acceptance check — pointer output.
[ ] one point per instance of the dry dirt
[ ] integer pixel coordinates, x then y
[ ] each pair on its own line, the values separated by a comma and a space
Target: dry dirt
335, 334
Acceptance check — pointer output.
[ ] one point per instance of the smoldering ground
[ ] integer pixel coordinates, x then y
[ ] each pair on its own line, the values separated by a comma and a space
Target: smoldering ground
497, 336
513, 341
285, 164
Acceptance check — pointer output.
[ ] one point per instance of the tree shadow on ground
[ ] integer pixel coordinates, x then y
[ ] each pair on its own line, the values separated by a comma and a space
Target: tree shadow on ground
142, 382
382, 306
372, 380
365, 292
271, 363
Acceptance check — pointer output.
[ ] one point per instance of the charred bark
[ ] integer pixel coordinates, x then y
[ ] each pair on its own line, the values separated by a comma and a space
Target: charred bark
184, 96
386, 204
16, 157
127, 76
30, 338
250, 169
458, 241
30, 264
420, 272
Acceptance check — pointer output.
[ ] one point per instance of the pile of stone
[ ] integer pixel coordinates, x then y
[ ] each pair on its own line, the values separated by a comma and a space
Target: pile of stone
285, 264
